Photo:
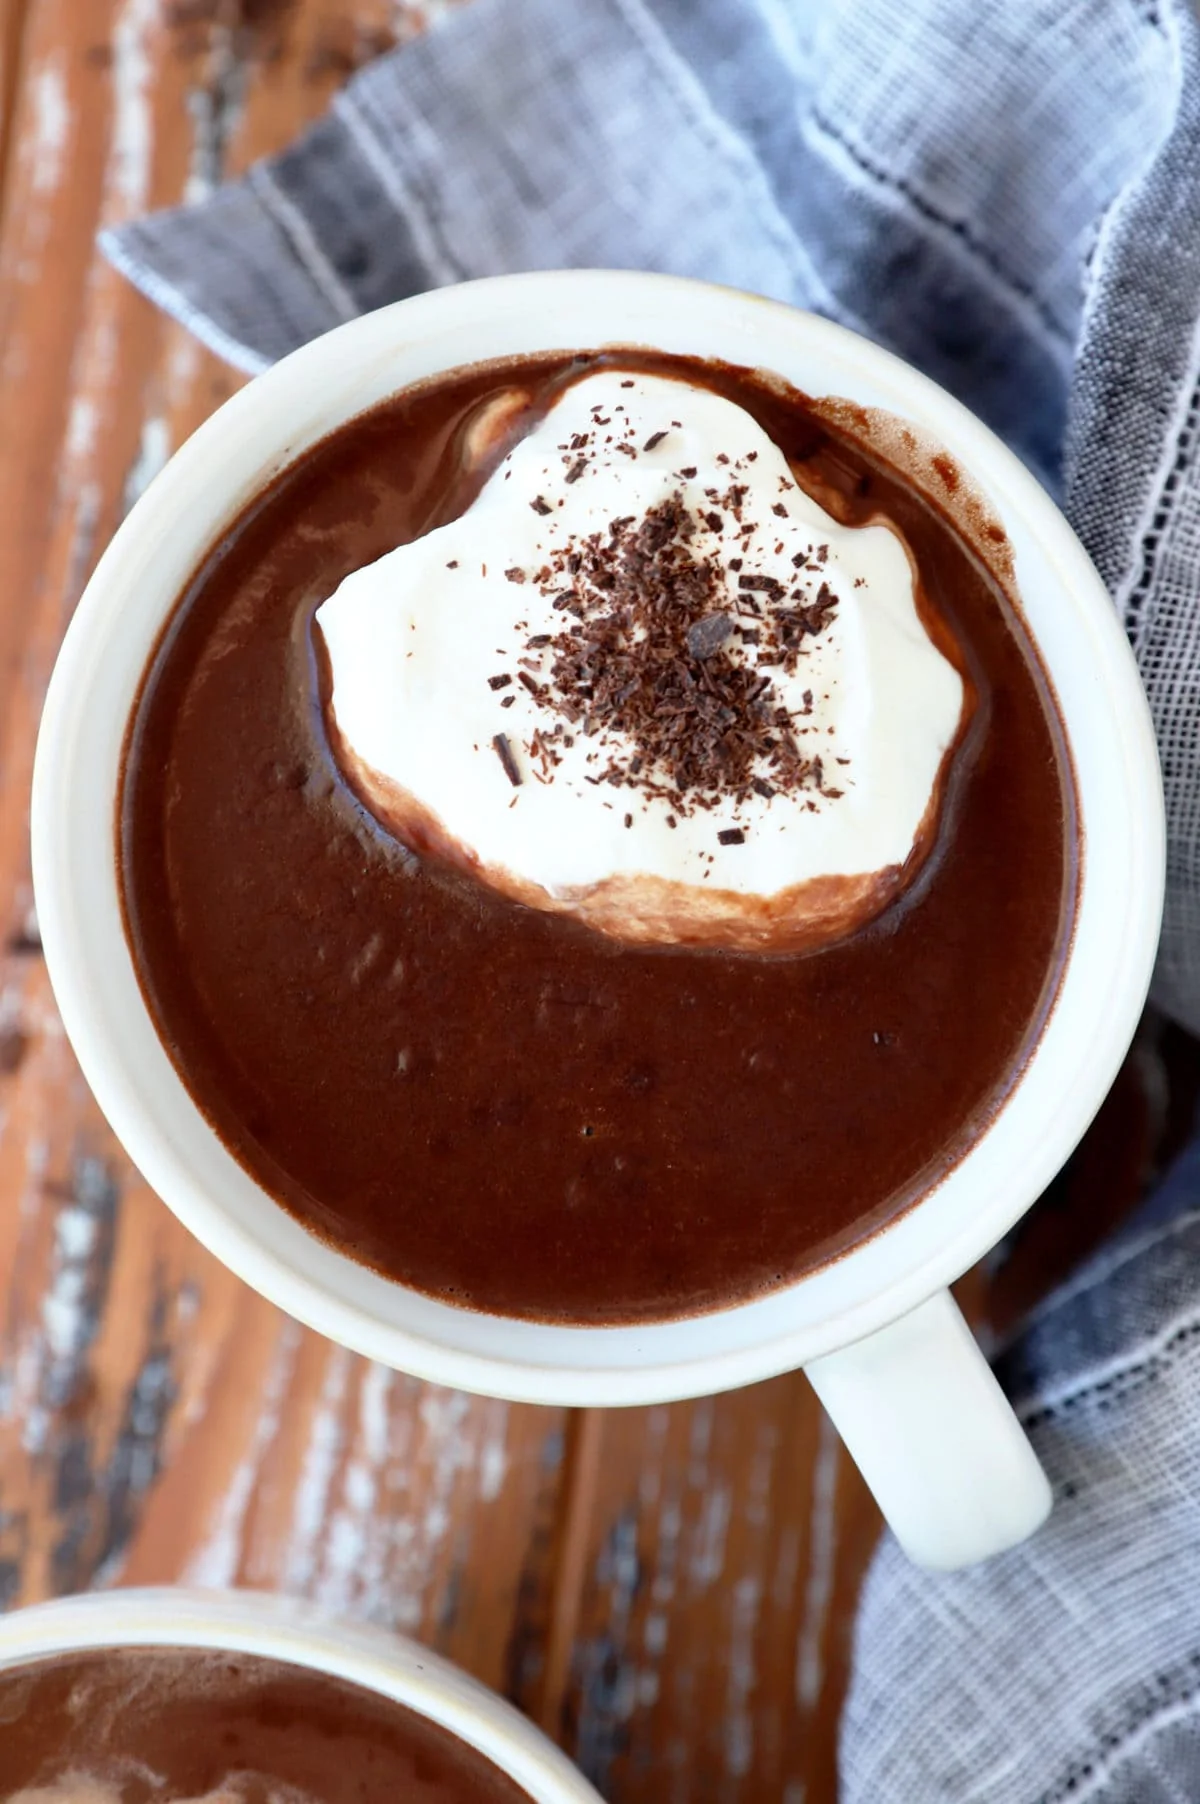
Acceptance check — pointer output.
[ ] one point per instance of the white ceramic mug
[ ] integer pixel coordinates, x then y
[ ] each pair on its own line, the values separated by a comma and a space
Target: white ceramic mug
283, 1628
876, 1329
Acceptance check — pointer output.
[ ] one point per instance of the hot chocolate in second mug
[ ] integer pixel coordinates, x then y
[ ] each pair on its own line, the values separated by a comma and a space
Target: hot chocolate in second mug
875, 1329
177, 1636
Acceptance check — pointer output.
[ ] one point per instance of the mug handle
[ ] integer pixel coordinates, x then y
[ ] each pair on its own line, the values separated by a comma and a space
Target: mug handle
935, 1437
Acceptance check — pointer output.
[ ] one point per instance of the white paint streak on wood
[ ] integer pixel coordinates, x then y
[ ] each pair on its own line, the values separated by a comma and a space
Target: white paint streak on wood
46, 146
217, 1561
154, 448
658, 1421
443, 1416
167, 393
53, 1347
75, 1233
326, 1441
707, 1564
374, 1415
700, 1445
83, 423
41, 162
83, 545
354, 1563
493, 1456
216, 109
183, 363
620, 1569
22, 1365
762, 1468
430, 1441
204, 162
822, 1563
131, 150
669, 1537
741, 1674
93, 372
80, 484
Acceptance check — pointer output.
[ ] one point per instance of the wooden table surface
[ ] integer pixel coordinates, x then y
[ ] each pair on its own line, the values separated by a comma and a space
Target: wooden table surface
668, 1591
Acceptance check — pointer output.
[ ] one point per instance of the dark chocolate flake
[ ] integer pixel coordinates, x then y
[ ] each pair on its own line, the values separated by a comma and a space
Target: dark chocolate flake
504, 752
762, 585
516, 574
540, 505
656, 438
574, 473
499, 682
707, 636
731, 836
638, 666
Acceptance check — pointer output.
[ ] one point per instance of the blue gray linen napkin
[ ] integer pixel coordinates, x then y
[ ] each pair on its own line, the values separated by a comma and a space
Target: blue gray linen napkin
1008, 194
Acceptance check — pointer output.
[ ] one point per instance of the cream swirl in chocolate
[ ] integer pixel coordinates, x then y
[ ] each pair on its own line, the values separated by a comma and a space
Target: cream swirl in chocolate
647, 680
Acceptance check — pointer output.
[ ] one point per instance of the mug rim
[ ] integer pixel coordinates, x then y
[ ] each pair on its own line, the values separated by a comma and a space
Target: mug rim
300, 1633
879, 1278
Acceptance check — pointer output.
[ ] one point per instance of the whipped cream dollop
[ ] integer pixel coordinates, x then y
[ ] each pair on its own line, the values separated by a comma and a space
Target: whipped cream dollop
647, 680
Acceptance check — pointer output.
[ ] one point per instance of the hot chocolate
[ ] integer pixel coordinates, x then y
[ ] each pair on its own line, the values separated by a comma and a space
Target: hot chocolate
775, 984
163, 1725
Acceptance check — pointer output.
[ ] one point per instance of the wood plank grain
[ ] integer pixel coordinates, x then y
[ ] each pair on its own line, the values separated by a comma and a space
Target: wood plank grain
158, 1421
668, 1590
725, 1541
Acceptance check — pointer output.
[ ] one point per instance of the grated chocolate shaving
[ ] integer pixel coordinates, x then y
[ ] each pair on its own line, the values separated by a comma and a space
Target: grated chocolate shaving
642, 665
706, 636
504, 752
